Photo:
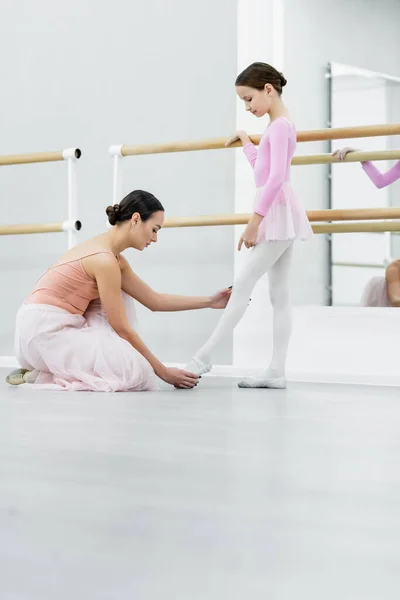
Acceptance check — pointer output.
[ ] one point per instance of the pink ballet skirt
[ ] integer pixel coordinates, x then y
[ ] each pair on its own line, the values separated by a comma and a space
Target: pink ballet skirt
375, 293
286, 219
71, 352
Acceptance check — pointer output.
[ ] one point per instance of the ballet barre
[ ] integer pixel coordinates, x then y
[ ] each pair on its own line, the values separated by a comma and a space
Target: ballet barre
125, 150
39, 157
366, 227
317, 135
72, 224
351, 227
382, 217
355, 214
40, 228
324, 159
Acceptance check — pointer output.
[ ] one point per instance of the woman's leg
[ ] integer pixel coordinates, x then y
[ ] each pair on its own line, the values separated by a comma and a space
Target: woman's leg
260, 260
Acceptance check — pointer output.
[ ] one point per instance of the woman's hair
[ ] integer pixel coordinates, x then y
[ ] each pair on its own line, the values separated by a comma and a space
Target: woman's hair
258, 74
137, 201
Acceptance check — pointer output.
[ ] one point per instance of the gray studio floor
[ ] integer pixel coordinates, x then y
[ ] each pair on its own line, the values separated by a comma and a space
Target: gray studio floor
216, 493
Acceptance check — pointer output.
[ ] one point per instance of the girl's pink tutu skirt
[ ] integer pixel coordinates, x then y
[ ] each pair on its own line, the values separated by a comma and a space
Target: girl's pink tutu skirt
286, 218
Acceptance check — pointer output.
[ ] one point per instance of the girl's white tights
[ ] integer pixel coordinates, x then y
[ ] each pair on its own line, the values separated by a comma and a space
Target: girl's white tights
275, 259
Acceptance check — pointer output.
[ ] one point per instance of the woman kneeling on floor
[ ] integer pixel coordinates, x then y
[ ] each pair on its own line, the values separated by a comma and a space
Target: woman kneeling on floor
75, 331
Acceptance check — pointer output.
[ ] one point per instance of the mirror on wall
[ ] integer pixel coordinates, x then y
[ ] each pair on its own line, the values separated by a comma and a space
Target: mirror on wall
360, 97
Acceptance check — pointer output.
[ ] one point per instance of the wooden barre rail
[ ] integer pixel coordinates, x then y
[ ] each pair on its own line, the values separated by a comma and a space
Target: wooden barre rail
324, 159
366, 227
371, 227
356, 214
239, 219
339, 133
36, 157
39, 228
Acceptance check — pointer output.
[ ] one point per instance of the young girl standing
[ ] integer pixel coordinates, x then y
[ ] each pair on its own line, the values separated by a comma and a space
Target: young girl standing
277, 221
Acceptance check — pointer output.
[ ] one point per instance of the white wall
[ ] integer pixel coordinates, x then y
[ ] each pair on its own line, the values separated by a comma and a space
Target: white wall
90, 74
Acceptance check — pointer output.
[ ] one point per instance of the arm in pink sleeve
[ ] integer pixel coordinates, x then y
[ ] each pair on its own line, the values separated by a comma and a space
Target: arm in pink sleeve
381, 180
279, 144
251, 153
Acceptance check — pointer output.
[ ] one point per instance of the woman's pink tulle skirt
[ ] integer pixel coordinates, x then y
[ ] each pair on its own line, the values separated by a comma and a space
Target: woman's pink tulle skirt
79, 353
286, 219
375, 293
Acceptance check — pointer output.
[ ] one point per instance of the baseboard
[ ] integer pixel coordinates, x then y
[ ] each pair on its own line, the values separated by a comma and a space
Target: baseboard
10, 362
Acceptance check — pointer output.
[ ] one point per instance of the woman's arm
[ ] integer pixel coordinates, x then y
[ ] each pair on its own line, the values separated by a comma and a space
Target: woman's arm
107, 273
140, 291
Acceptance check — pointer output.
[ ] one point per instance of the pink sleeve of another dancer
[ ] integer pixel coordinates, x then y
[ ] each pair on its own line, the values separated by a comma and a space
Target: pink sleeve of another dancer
279, 145
381, 180
251, 153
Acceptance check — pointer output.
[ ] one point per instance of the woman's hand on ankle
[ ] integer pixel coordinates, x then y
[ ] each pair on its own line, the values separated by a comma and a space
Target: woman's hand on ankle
178, 377
221, 298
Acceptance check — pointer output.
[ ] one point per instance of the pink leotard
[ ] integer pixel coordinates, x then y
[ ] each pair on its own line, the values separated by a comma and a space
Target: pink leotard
271, 163
67, 285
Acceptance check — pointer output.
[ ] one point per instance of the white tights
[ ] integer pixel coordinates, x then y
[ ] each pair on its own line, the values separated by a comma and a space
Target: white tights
275, 259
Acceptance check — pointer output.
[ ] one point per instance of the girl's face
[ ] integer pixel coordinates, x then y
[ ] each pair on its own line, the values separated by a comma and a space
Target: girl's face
258, 102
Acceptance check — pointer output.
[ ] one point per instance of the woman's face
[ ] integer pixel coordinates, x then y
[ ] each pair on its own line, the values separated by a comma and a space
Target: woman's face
143, 233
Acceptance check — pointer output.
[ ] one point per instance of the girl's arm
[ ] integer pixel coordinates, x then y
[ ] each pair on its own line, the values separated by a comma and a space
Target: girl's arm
279, 145
250, 152
249, 148
380, 180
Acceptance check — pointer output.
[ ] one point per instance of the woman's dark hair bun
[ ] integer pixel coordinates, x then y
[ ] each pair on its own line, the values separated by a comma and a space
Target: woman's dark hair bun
283, 80
138, 201
112, 213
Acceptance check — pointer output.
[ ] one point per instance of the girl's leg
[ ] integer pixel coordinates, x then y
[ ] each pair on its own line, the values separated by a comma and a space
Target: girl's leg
260, 260
279, 291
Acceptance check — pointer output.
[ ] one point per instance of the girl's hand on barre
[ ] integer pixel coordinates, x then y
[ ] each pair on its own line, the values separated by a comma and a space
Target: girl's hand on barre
343, 152
239, 135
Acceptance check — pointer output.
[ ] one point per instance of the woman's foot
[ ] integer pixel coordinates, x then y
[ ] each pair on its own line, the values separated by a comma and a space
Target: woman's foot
197, 367
17, 377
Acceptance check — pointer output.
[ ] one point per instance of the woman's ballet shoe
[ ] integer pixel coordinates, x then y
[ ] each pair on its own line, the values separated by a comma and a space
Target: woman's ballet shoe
17, 377
279, 383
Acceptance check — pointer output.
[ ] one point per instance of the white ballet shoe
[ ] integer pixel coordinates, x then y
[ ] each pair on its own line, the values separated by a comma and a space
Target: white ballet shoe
17, 377
278, 383
197, 367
